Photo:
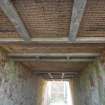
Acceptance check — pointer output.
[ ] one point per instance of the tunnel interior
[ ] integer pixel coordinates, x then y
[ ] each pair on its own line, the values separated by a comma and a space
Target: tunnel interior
21, 86
52, 40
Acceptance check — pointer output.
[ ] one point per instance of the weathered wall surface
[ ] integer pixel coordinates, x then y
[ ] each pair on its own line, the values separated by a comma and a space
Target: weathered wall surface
75, 90
17, 84
40, 88
91, 86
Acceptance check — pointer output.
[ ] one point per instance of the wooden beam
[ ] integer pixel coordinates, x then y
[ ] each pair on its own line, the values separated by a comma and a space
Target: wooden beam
11, 13
77, 14
53, 40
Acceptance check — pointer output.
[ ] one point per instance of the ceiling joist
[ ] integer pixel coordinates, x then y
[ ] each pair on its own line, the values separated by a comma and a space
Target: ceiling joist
53, 54
62, 76
10, 11
44, 60
54, 57
53, 40
66, 78
50, 76
77, 14
56, 72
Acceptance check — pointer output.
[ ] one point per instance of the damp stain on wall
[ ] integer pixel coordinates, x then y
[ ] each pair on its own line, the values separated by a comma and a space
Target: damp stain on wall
92, 85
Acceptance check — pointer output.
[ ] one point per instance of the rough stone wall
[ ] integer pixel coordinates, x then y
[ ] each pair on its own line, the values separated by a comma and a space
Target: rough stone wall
91, 86
17, 84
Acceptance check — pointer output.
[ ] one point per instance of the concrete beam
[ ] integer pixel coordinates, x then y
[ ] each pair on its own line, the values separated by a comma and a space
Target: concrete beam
54, 60
53, 40
59, 79
77, 14
10, 11
62, 75
50, 75
57, 75
53, 55
57, 72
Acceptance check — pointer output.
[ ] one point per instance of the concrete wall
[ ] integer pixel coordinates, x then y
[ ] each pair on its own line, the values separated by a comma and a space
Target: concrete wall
91, 85
40, 95
17, 84
75, 91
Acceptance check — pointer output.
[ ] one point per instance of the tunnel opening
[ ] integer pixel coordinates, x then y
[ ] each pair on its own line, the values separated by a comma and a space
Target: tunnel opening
58, 93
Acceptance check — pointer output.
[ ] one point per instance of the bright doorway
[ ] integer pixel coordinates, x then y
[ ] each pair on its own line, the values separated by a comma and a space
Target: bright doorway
58, 93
